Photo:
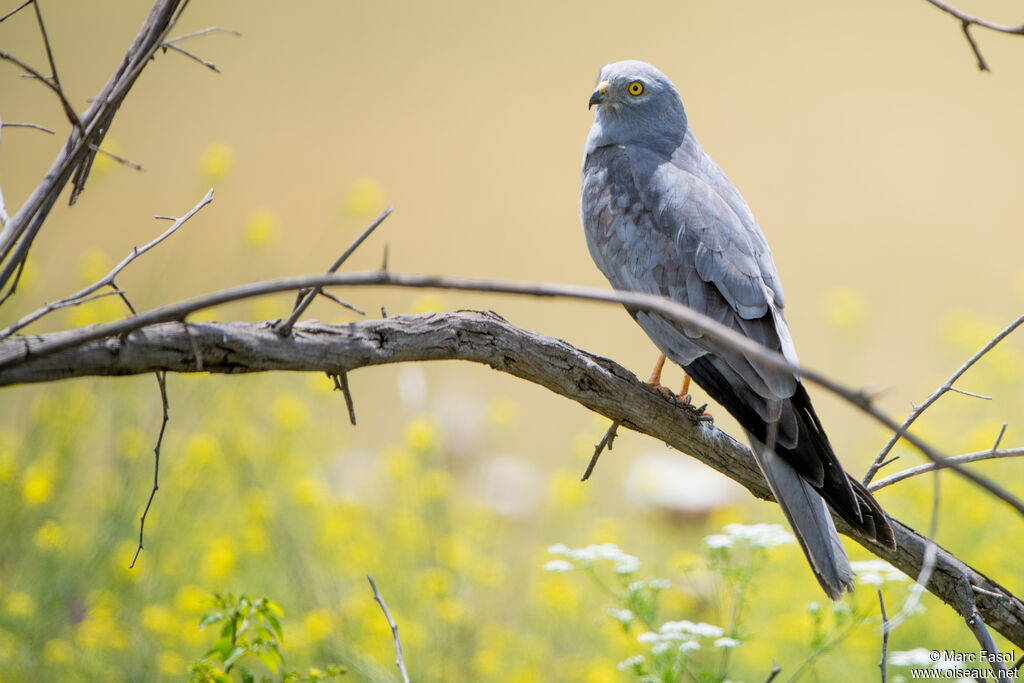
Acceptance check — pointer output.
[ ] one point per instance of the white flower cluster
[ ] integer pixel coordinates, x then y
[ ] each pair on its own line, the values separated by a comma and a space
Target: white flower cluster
624, 563
631, 663
754, 535
684, 636
877, 572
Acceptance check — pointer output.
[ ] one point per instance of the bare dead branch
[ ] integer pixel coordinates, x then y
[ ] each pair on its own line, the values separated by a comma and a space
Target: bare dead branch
967, 20
991, 454
161, 379
399, 660
286, 327
596, 383
947, 386
776, 670
713, 330
107, 280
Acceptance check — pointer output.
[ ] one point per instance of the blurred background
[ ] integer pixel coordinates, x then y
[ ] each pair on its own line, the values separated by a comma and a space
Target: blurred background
884, 168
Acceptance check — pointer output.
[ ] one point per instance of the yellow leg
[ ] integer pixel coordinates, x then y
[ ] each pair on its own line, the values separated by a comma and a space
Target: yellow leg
655, 379
685, 391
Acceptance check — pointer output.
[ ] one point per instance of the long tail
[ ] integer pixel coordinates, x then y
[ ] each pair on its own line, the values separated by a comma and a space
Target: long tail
809, 517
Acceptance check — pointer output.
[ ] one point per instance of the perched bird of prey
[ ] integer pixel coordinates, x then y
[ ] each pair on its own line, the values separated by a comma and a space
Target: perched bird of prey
662, 218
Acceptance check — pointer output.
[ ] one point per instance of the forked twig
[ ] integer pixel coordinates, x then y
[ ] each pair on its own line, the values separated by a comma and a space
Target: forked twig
947, 386
959, 459
285, 328
107, 280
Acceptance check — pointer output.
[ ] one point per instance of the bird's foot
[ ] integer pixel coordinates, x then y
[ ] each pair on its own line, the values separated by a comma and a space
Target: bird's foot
665, 392
701, 413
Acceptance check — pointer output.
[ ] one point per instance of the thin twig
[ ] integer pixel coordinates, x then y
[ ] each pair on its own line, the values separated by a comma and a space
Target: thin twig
121, 160
959, 459
916, 413
606, 442
204, 32
970, 393
885, 635
399, 660
285, 328
107, 280
16, 10
999, 437
343, 304
209, 65
713, 330
161, 379
965, 23
68, 109
776, 670
27, 125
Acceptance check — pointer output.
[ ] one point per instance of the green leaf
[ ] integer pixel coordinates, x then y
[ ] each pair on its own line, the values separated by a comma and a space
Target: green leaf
275, 624
233, 657
270, 659
210, 618
247, 676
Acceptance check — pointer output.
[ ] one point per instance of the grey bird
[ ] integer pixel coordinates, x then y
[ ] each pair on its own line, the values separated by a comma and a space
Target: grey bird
662, 218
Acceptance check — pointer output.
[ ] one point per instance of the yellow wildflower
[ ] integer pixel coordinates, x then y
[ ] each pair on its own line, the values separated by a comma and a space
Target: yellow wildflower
428, 303
216, 161
420, 434
364, 196
844, 308
7, 466
219, 559
92, 265
159, 619
18, 604
316, 625
260, 228
191, 599
37, 484
170, 663
309, 491
50, 536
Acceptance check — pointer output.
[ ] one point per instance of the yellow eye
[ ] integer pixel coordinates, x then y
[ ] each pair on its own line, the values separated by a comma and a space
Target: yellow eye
636, 88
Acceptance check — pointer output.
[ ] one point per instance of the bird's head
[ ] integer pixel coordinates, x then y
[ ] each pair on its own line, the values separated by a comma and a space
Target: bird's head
636, 103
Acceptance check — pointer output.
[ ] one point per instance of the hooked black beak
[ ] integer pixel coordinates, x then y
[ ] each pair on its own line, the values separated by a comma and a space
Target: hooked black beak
598, 95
